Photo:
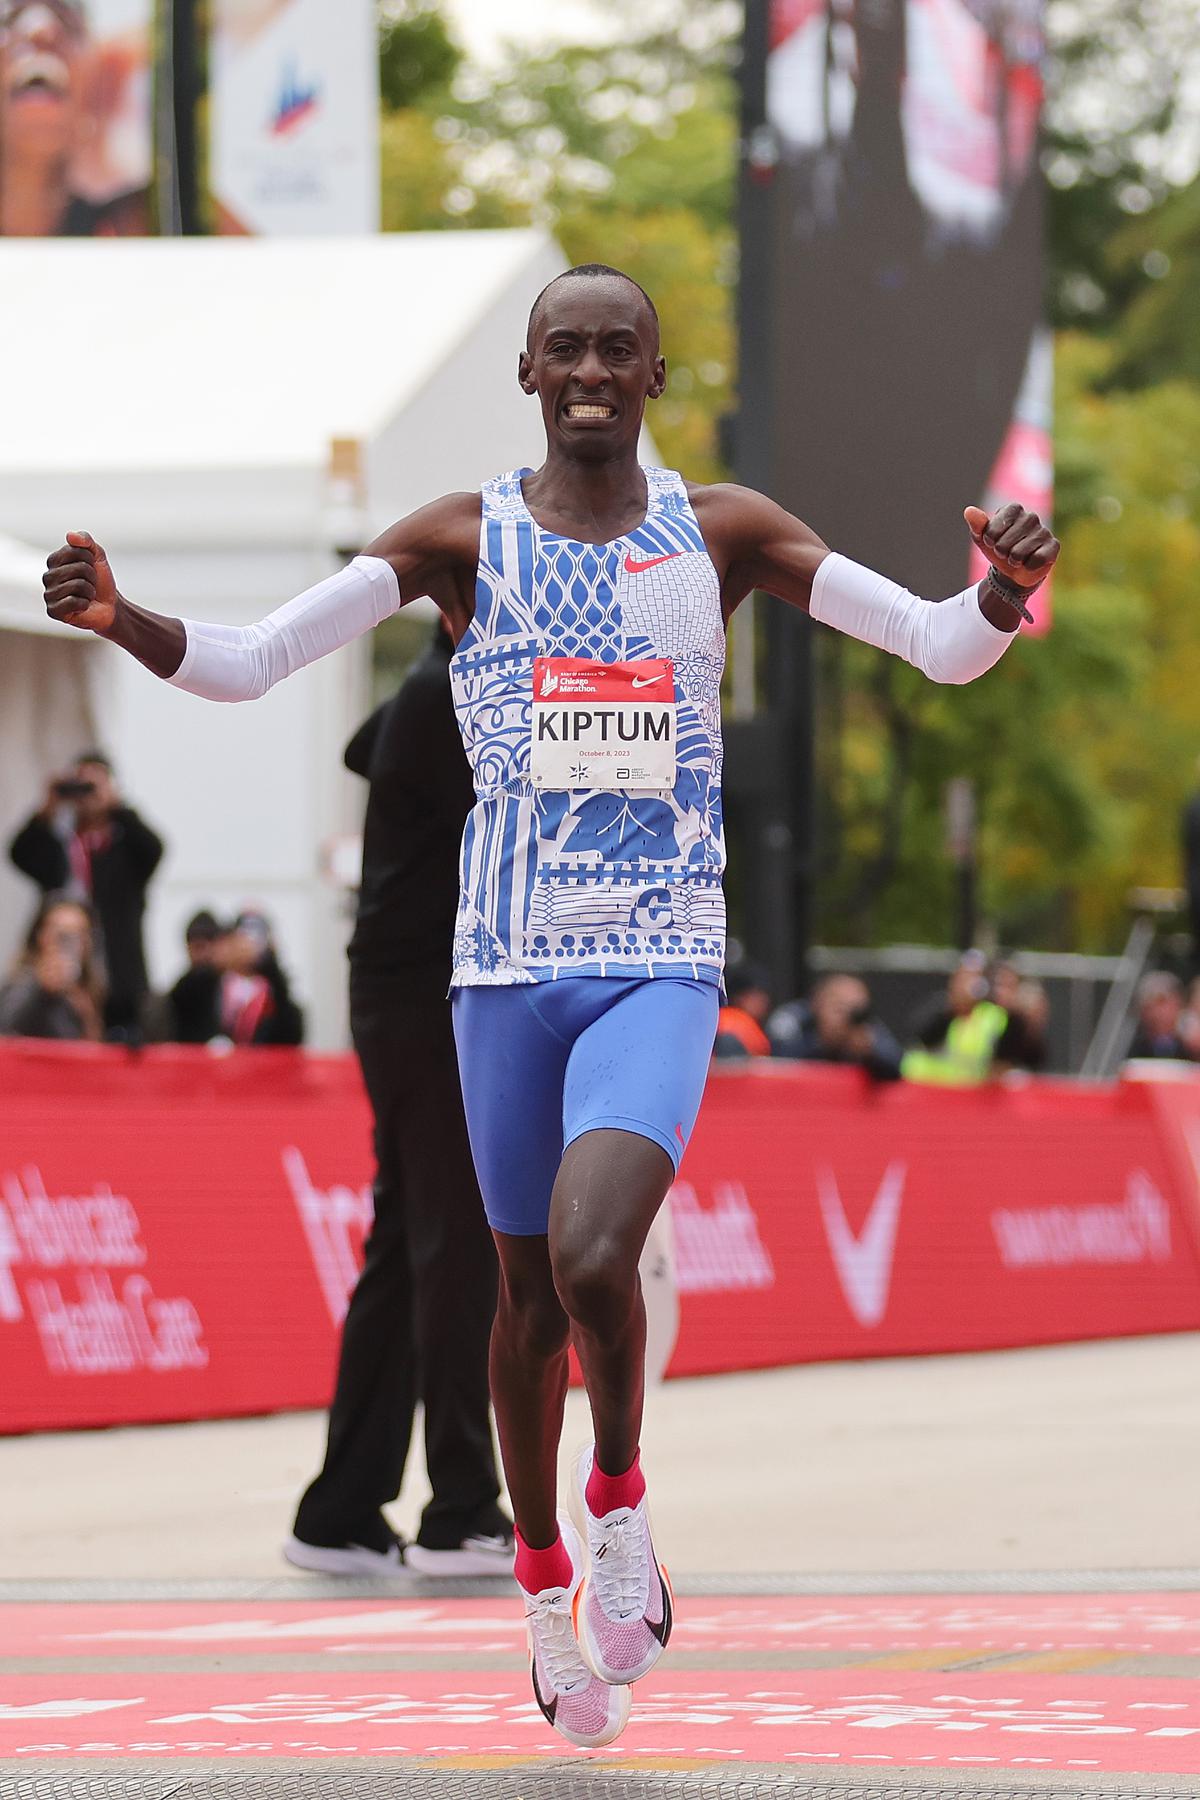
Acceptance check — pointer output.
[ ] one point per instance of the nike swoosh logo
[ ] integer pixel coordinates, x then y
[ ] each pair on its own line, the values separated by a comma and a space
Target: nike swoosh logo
662, 1631
639, 568
864, 1262
648, 680
548, 1707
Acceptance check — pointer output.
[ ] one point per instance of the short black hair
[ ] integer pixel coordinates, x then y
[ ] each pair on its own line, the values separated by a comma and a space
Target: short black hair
204, 928
594, 269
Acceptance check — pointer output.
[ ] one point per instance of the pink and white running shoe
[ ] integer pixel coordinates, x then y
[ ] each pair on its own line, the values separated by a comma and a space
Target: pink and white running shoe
579, 1705
625, 1611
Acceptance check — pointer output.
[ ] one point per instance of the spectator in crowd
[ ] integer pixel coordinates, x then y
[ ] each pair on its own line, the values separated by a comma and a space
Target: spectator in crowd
1191, 869
190, 1011
1189, 1023
235, 990
202, 938
420, 1317
1022, 1043
957, 1042
1161, 1027
741, 1021
56, 990
1033, 1008
85, 842
837, 1025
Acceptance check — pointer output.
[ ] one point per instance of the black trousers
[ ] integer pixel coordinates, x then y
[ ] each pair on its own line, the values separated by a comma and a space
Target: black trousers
420, 1317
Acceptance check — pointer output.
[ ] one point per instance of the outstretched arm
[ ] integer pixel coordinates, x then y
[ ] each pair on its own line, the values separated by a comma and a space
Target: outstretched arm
431, 552
763, 546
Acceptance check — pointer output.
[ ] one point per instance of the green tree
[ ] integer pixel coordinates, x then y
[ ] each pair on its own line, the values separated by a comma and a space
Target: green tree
628, 153
418, 56
1082, 745
1119, 138
1159, 333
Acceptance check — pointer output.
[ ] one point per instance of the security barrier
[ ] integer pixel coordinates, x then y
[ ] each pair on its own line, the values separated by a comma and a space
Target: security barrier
179, 1231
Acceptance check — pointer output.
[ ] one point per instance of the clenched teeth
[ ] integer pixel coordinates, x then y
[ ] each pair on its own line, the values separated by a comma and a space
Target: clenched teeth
583, 409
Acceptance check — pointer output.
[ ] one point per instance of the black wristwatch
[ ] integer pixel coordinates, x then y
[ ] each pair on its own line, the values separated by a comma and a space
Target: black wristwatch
1012, 593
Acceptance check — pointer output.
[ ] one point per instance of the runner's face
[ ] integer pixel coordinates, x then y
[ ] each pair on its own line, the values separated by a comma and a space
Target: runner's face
39, 61
593, 363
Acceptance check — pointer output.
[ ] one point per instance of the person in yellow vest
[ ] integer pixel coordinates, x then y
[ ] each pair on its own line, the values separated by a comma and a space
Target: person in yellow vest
959, 1043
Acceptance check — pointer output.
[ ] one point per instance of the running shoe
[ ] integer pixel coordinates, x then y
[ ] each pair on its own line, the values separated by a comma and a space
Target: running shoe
346, 1559
582, 1708
480, 1553
624, 1612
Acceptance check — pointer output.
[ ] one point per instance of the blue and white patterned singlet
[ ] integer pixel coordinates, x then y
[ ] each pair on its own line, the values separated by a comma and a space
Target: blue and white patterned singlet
589, 883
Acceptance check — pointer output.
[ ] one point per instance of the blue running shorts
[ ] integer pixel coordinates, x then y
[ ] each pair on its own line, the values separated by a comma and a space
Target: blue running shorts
542, 1064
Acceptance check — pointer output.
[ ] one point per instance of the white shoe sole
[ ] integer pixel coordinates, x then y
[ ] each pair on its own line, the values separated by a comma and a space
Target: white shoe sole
587, 1646
353, 1559
448, 1563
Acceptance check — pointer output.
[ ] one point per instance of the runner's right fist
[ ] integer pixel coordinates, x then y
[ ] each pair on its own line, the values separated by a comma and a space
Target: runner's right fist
79, 584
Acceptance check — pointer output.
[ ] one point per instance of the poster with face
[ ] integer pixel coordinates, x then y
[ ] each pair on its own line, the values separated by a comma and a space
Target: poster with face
76, 130
913, 372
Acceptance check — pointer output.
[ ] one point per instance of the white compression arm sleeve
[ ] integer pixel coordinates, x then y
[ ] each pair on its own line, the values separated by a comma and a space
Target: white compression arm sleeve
240, 662
950, 641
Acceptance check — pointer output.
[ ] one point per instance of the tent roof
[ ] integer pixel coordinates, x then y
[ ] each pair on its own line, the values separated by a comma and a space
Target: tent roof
21, 590
290, 342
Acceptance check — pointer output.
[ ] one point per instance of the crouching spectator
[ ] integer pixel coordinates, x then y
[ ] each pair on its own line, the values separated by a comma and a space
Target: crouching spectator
837, 1025
56, 989
235, 990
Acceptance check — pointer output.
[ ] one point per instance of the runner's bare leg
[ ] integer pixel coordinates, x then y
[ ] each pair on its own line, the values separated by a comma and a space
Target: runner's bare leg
580, 1284
528, 1368
609, 1188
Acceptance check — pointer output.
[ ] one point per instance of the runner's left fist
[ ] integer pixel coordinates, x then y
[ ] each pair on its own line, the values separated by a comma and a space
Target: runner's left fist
1015, 542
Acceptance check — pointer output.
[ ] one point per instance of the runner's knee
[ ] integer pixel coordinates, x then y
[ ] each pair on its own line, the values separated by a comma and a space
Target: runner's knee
596, 1283
530, 1317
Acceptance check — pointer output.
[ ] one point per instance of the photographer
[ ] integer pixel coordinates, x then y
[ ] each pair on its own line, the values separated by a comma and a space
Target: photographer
55, 990
837, 1025
84, 842
967, 1038
989, 1023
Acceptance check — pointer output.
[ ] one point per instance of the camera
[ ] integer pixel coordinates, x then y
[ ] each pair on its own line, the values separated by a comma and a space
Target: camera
73, 789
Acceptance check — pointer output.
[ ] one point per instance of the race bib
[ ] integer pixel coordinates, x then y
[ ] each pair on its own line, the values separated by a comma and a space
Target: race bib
603, 725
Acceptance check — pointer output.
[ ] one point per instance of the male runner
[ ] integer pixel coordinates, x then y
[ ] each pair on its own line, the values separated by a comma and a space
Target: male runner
588, 600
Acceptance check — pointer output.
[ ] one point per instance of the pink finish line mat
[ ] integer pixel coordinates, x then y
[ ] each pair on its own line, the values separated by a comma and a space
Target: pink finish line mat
988, 1682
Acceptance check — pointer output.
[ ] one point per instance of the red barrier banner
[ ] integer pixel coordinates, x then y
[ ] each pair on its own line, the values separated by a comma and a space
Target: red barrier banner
817, 1218
179, 1232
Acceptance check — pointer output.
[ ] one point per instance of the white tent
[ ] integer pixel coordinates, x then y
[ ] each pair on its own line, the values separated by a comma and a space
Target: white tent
45, 715
179, 400
21, 588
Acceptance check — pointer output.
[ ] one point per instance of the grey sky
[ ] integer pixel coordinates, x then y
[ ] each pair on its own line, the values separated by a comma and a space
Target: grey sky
483, 25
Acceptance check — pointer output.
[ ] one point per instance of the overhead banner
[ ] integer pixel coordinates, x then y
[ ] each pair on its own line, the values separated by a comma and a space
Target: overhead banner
76, 133
294, 97
911, 367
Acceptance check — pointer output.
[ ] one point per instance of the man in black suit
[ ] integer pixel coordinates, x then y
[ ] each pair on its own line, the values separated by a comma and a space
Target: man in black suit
420, 1317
